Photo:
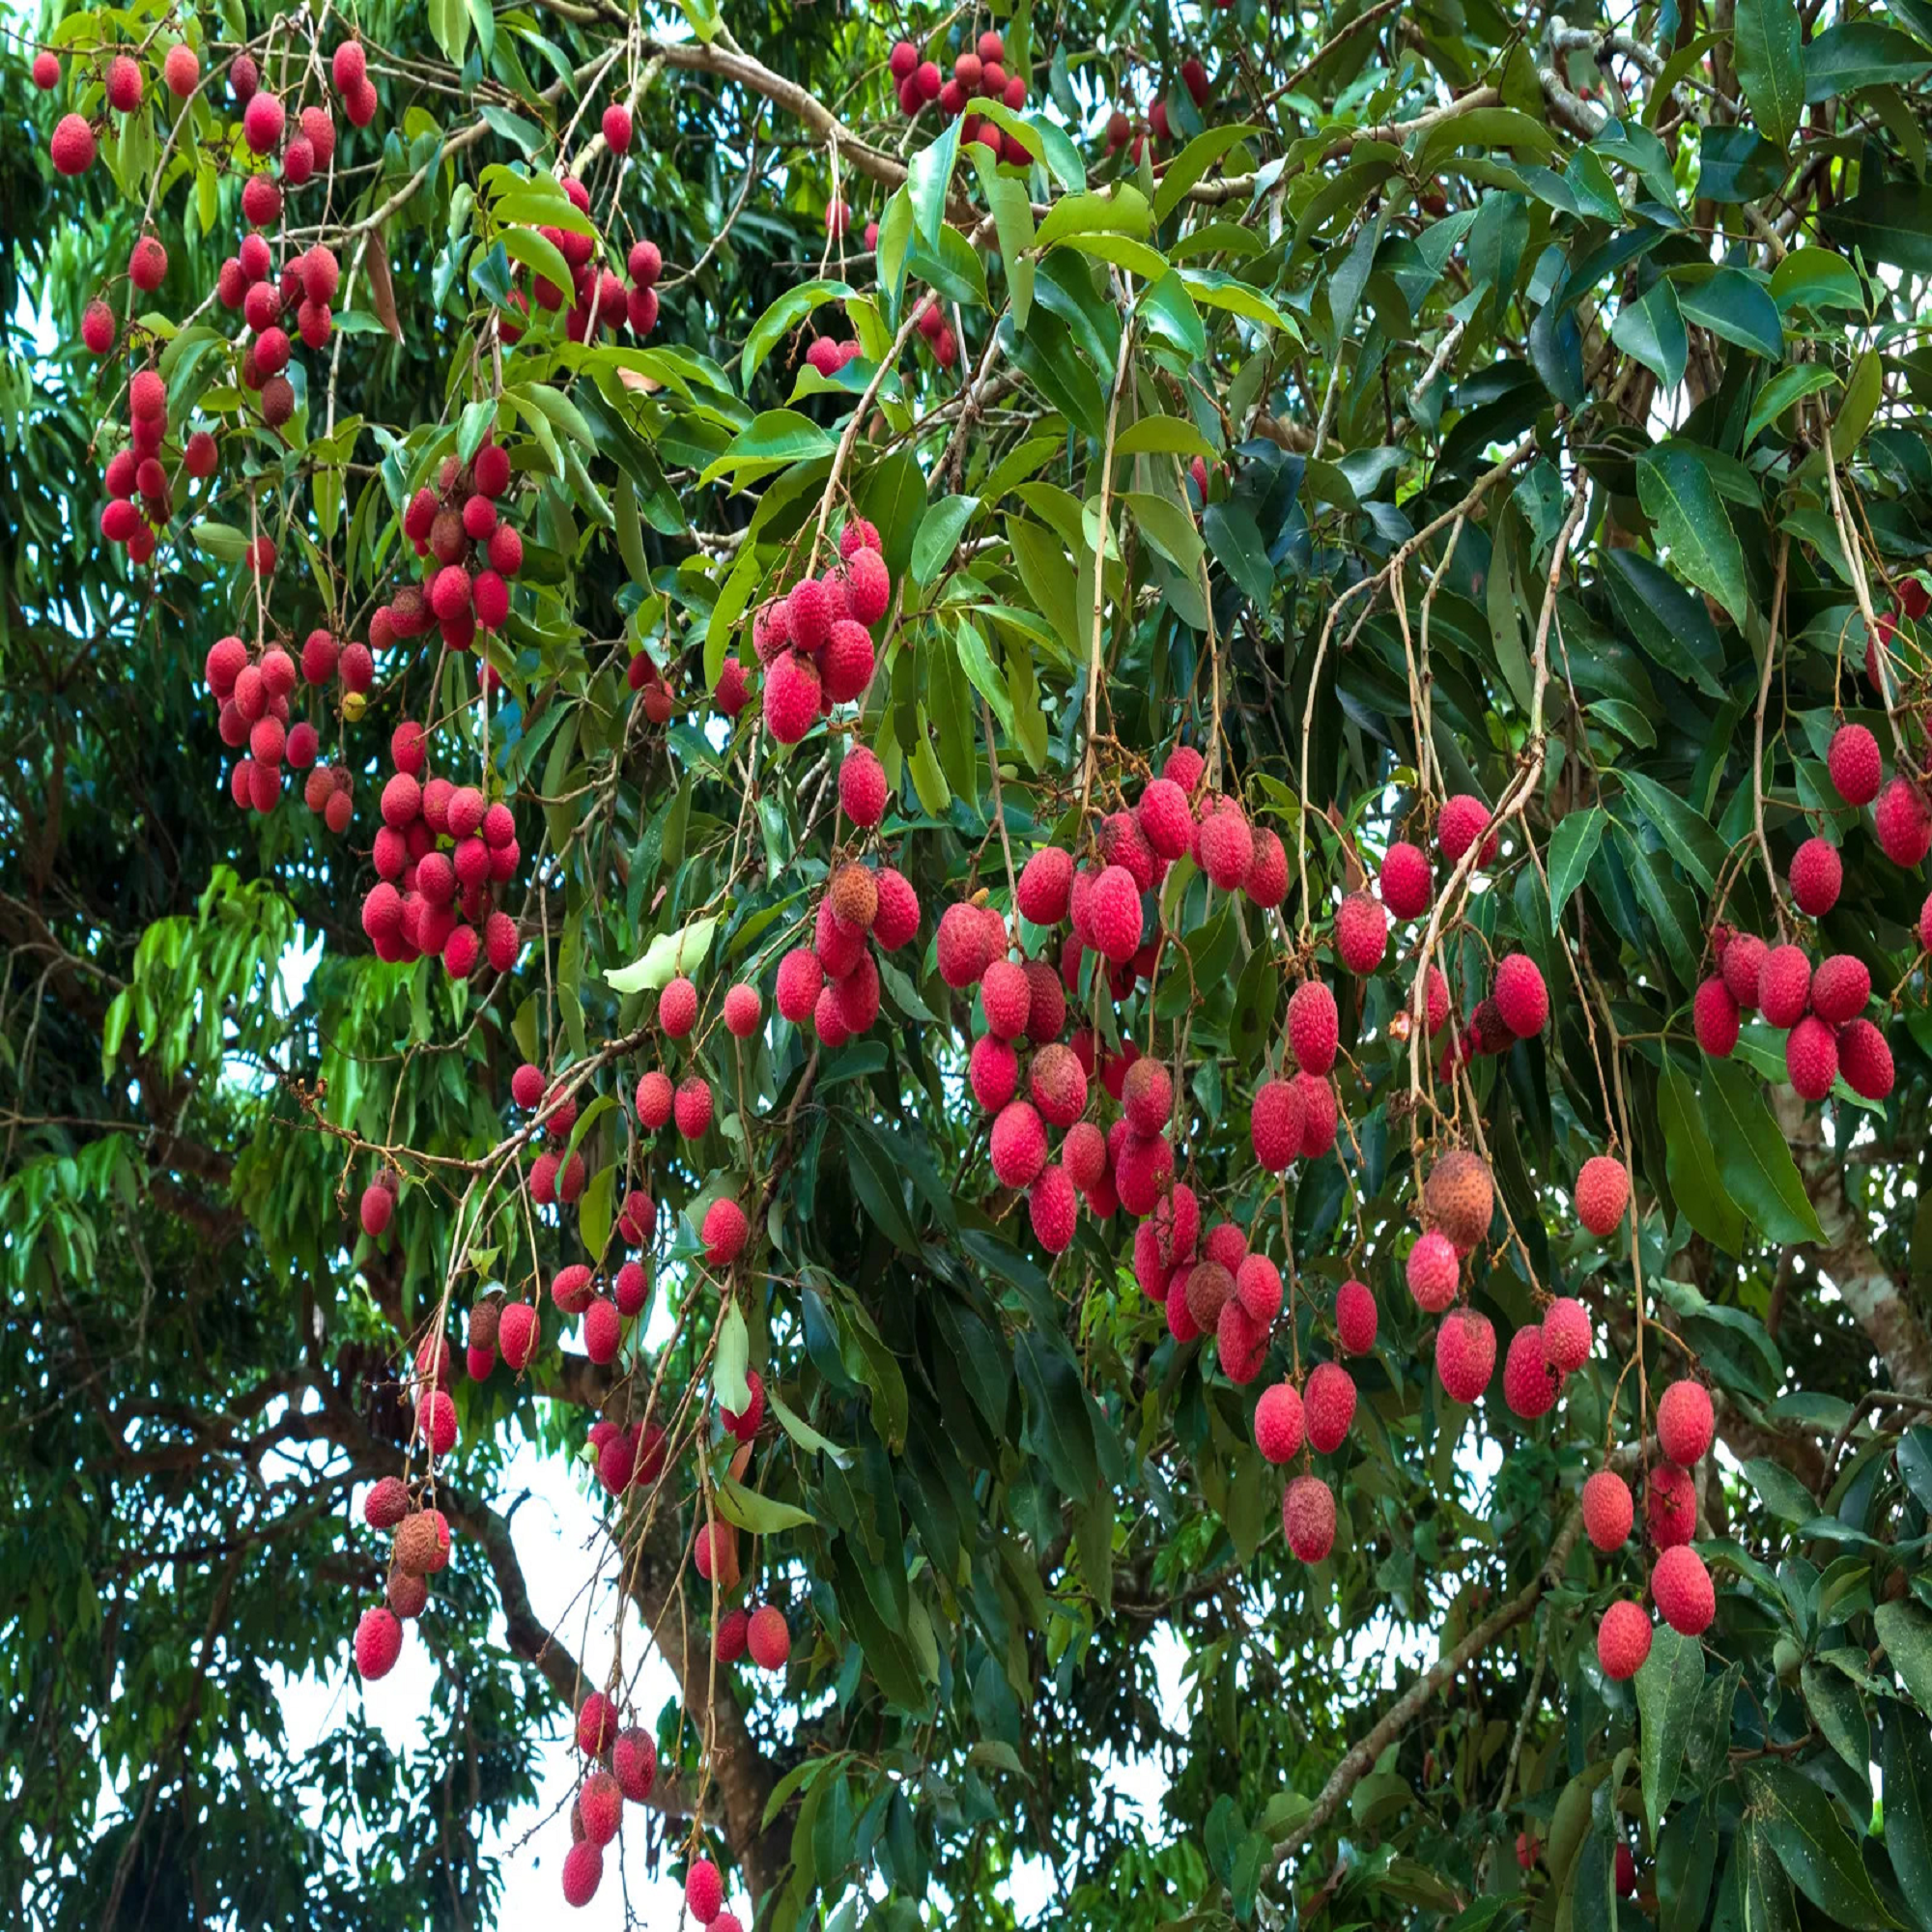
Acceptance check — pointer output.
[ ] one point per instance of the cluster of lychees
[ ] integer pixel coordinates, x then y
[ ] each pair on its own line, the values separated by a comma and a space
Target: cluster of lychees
815, 641
469, 553
978, 73
623, 1766
440, 853
140, 491
599, 297
1679, 1583
304, 289
254, 689
1124, 132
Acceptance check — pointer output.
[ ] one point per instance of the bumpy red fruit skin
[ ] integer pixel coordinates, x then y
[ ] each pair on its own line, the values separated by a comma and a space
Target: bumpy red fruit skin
1006, 997
1314, 1026
1603, 1193
1622, 1640
703, 1891
633, 1760
1784, 985
1408, 882
596, 1724
1903, 822
1670, 1505
743, 1010
379, 1642
677, 1007
71, 146
1817, 876
1266, 882
1608, 1510
861, 787
386, 1504
1114, 914
1680, 1588
1279, 1424
1044, 884
1742, 963
1057, 1085
583, 1872
654, 1099
1361, 933
1165, 819
1857, 769
768, 1638
1356, 1316
1865, 1059
1811, 1058
1433, 1273
792, 692
1224, 844
1460, 825
1257, 1288
1277, 1125
517, 1334
1529, 1387
1459, 1198
1320, 1116
1685, 1423
1328, 1404
1308, 1518
1566, 1334
1840, 990
1716, 1018
1018, 1145
1521, 996
691, 1106
1053, 1209
723, 1232
1466, 1354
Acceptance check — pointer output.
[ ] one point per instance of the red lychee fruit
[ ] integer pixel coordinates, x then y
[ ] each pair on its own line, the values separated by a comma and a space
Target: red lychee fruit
1608, 1510
583, 1872
655, 1098
1903, 822
1460, 825
1817, 877
1521, 996
1258, 1288
1018, 1145
1603, 1193
723, 1232
793, 693
1407, 881
1742, 962
1840, 990
1224, 844
704, 1890
1865, 1059
1279, 1424
965, 944
1433, 1273
517, 1334
743, 1010
1529, 1382
1308, 1518
1685, 1422
1146, 1096
1857, 769
1113, 910
861, 787
768, 1638
1330, 1407
1811, 1058
1622, 1640
600, 1805
47, 70
1680, 1588
896, 923
1466, 1354
1361, 933
1784, 985
691, 1106
1312, 1026
1084, 1151
386, 1504
72, 147
1057, 1085
1320, 1116
1209, 1287
379, 1642
1044, 884
1567, 1336
1006, 998
1053, 1210
1266, 882
992, 1071
1277, 1125
800, 979
1165, 818
1670, 1505
125, 86
1716, 1018
634, 1761
677, 1007
1459, 1198
1356, 1316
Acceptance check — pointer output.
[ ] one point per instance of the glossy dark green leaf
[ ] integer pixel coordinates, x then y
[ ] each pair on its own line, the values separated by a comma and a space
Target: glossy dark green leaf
1805, 1831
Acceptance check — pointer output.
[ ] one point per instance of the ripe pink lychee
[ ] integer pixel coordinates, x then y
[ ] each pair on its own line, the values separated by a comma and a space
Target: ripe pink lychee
596, 1724
1817, 876
1279, 1424
1521, 996
1466, 1354
1408, 882
1277, 1125
1857, 769
1018, 1147
1224, 844
965, 944
768, 1638
599, 1807
1865, 1059
1716, 1018
1045, 882
583, 1872
1622, 1640
1434, 1272
861, 787
379, 1642
1460, 824
1603, 1193
1308, 1518
705, 1891
1784, 985
1329, 1405
1053, 1209
1903, 821
1114, 914
1567, 1336
1670, 1505
517, 1334
1165, 818
743, 1010
1840, 990
654, 1099
677, 1007
1356, 1316
1266, 882
633, 1760
1608, 1510
1361, 933
1529, 1382
1257, 1288
1312, 1026
1742, 962
723, 1232
1680, 1588
691, 1106
1685, 1422
1320, 1116
992, 1072
1811, 1058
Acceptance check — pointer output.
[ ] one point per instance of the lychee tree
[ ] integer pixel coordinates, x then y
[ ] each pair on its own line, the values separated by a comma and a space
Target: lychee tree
1102, 839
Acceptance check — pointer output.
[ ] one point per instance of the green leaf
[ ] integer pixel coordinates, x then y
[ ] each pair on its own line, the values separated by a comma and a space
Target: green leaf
1738, 307
1171, 315
630, 534
1122, 210
1572, 847
1813, 1846
762, 1516
939, 531
790, 308
1763, 1892
1692, 524
1691, 1164
1860, 53
668, 955
1192, 163
1841, 1716
1689, 836
728, 1364
1906, 1631
1767, 47
1168, 528
1215, 290
1906, 1761
1236, 540
1164, 436
1817, 279
1667, 1689
1888, 220
1780, 1491
1753, 1156
771, 440
803, 1432
878, 1184
929, 180
1860, 403
1012, 220
1652, 330
1787, 386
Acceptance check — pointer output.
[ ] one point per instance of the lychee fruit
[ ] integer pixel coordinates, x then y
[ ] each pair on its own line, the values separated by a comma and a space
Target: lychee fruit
723, 1232
1312, 1026
1567, 1336
1903, 822
1114, 914
743, 1010
1330, 1407
861, 787
1147, 1095
1166, 820
1622, 1640
1277, 1125
1279, 1424
1811, 1058
1742, 962
1459, 1198
600, 1805
1045, 882
379, 1642
582, 1868
1409, 883
1680, 1588
1670, 1505
1224, 844
1521, 996
705, 1891
1608, 1510
677, 1007
1865, 1059
1466, 1354
1603, 1193
691, 1106
1857, 769
1840, 990
1529, 1382
1817, 877
768, 1638
634, 1761
1460, 824
1716, 1018
992, 1071
1784, 985
1433, 1273
1685, 1422
1361, 933
1356, 1316
655, 1100
1320, 1116
1053, 1209
1308, 1518
1257, 1288
1006, 997
1266, 882
1209, 1287
1018, 1147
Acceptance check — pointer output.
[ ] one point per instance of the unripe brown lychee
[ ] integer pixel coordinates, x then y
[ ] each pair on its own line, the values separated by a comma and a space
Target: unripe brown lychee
1459, 1198
422, 1543
386, 1504
1209, 1287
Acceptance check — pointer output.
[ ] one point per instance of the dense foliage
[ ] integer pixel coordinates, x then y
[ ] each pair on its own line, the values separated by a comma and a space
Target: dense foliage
1427, 502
